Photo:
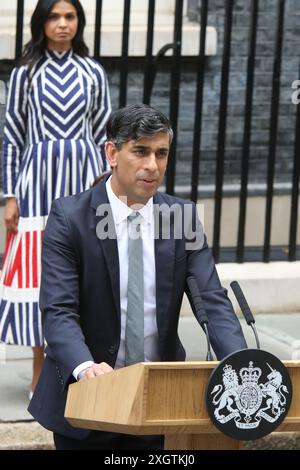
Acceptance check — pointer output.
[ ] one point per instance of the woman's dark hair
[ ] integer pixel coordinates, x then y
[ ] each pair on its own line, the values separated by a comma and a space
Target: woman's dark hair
35, 48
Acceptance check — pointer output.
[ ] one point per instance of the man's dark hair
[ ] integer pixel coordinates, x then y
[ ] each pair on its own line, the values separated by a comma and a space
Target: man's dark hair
37, 45
136, 122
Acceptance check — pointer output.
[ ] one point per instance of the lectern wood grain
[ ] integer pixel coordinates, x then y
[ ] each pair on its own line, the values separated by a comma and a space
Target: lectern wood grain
160, 398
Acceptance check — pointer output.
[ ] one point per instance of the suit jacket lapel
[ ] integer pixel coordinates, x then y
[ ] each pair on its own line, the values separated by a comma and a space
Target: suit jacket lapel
104, 223
164, 262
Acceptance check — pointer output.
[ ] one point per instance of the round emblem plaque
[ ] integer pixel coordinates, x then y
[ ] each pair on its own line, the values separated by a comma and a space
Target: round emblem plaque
249, 394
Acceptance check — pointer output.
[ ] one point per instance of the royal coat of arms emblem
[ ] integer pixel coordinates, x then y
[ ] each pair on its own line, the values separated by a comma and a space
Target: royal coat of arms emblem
249, 395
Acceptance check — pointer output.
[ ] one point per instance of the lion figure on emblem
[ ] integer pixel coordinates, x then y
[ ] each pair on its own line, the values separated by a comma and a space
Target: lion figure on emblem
230, 393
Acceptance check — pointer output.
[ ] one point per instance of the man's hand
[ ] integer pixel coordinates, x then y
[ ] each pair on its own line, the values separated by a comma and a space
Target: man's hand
11, 214
96, 369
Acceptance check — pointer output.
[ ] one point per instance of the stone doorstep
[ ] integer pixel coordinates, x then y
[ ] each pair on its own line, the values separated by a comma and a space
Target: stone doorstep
31, 436
25, 436
275, 441
268, 287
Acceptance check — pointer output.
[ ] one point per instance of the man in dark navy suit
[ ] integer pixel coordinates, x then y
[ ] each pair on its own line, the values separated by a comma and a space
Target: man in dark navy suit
88, 299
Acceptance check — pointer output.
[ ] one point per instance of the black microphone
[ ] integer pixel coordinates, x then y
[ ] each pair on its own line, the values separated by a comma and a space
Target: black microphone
245, 308
199, 310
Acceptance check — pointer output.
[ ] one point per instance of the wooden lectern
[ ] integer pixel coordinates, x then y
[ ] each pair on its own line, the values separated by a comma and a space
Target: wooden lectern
160, 398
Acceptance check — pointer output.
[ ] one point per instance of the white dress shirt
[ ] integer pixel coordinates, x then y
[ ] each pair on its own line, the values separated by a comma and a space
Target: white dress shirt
120, 212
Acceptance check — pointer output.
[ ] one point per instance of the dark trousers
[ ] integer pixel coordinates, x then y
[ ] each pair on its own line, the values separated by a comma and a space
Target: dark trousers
100, 440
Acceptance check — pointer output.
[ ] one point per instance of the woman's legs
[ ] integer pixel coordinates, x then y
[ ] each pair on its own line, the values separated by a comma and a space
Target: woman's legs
38, 361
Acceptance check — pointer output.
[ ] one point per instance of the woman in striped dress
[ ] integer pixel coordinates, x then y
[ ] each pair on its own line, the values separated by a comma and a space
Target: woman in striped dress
58, 105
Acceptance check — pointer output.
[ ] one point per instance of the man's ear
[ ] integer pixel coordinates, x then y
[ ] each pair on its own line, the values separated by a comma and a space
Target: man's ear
111, 154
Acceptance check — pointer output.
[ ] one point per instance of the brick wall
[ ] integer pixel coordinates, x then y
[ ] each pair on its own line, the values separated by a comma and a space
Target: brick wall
266, 40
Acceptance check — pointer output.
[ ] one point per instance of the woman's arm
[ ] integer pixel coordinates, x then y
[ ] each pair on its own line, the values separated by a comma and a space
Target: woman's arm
11, 214
102, 110
14, 129
14, 142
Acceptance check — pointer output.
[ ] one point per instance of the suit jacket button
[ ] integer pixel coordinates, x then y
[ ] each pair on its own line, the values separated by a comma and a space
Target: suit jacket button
112, 350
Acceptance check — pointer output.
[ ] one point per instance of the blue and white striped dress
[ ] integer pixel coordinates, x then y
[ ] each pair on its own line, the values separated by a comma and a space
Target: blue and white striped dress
52, 147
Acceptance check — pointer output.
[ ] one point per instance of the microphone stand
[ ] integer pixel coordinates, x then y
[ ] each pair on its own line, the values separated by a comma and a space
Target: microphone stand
245, 309
199, 310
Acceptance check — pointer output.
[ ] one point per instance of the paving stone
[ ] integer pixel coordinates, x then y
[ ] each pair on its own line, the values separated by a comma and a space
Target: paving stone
25, 436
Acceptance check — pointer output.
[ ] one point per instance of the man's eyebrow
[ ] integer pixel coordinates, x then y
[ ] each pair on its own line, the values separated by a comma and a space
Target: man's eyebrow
140, 146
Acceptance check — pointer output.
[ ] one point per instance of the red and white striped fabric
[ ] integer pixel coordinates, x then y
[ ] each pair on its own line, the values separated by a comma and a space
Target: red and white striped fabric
19, 284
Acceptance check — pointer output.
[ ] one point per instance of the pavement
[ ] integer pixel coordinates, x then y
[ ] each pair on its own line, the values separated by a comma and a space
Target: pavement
277, 333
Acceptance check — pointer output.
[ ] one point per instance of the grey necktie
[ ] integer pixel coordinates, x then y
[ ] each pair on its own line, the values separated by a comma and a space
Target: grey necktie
134, 333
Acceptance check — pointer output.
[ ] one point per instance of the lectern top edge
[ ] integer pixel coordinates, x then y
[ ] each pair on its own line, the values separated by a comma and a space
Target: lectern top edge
178, 365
